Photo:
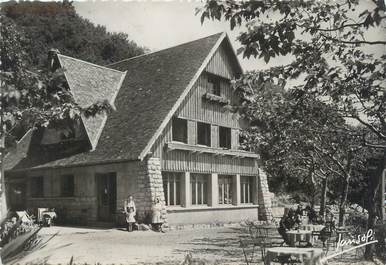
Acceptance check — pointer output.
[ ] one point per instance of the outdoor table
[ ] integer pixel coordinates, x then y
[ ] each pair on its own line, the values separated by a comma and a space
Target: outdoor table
309, 256
312, 227
299, 235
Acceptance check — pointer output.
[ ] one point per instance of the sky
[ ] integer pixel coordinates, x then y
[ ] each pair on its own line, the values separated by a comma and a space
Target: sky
162, 24
159, 25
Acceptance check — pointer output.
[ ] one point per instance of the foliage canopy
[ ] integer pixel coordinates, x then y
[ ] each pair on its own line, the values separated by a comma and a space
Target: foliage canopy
48, 25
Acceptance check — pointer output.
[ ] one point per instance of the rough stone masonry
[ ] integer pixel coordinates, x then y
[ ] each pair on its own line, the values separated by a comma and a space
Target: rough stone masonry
150, 187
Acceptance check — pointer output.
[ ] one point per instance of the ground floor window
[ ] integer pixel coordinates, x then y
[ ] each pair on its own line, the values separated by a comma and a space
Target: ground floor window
172, 187
67, 185
37, 187
225, 189
199, 189
246, 183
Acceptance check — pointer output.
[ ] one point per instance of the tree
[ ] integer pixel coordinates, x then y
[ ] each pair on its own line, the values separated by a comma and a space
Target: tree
325, 45
375, 166
48, 25
37, 98
327, 41
302, 140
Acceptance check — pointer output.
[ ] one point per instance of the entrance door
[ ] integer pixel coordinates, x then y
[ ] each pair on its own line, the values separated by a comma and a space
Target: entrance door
107, 196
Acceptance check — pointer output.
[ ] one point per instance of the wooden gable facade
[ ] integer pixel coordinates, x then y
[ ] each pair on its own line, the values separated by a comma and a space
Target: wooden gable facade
201, 105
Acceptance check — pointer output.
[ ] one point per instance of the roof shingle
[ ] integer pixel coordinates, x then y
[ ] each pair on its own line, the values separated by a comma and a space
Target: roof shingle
90, 83
151, 87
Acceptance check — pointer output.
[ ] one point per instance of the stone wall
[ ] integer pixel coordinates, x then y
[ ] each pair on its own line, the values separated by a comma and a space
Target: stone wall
264, 197
149, 183
141, 179
82, 208
76, 210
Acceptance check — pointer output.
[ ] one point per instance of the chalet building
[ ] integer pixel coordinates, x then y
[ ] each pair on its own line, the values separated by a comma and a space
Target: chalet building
171, 136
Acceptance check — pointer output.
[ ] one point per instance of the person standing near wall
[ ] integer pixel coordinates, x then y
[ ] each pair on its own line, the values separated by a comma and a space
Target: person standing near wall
130, 211
156, 215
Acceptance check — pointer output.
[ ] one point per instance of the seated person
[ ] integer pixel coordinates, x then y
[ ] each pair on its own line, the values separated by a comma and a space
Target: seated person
312, 216
325, 234
287, 222
298, 214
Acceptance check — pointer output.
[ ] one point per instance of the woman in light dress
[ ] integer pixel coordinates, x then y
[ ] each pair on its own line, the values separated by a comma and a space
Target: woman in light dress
156, 215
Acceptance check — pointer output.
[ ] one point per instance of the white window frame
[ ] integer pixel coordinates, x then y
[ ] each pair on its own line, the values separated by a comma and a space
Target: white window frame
246, 185
199, 180
225, 184
172, 178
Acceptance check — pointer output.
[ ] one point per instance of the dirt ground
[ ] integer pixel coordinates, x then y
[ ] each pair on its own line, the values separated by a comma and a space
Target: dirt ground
220, 245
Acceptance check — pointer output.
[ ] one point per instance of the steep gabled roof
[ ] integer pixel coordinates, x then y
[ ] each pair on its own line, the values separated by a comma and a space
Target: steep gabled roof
16, 155
156, 85
152, 90
91, 83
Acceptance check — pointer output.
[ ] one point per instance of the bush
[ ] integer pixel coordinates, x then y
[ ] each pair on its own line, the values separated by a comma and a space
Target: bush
358, 220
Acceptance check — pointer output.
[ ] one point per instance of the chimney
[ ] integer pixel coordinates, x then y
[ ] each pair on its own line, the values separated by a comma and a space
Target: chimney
52, 60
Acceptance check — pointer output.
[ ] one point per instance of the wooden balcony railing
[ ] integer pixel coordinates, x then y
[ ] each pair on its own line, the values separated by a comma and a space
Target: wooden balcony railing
209, 150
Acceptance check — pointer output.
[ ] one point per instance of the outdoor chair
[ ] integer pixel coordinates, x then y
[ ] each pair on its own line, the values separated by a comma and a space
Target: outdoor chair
303, 244
256, 231
330, 225
264, 232
260, 239
257, 243
353, 234
329, 240
315, 234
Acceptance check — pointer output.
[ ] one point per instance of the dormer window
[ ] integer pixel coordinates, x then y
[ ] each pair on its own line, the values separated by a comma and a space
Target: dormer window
68, 133
214, 85
180, 130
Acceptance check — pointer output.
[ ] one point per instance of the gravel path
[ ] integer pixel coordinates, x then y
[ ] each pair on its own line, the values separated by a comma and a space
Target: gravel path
220, 245
113, 246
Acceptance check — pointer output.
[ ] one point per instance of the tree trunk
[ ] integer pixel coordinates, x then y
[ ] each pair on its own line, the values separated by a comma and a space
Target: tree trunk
323, 199
373, 186
343, 201
381, 4
3, 202
369, 251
